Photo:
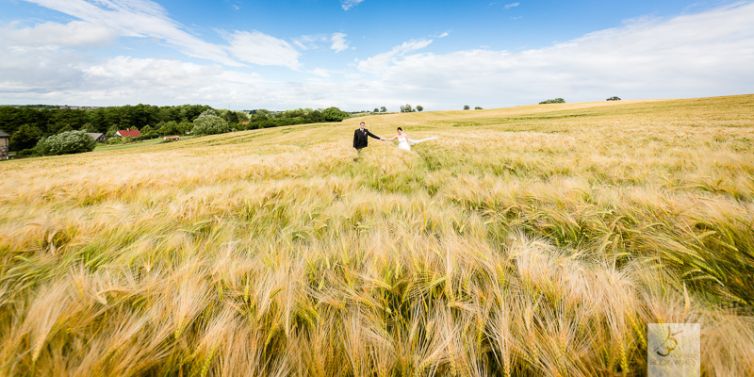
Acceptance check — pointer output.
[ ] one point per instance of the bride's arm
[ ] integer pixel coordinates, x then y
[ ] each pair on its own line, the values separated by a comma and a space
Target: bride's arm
413, 142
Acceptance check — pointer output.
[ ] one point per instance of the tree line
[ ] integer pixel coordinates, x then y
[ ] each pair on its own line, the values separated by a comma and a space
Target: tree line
27, 125
265, 118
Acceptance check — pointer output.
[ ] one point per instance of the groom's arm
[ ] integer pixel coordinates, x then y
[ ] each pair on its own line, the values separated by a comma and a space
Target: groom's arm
373, 135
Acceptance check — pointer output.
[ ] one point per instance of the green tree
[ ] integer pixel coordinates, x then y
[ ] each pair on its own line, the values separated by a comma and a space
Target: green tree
466, 107
383, 109
334, 114
65, 120
25, 137
209, 123
419, 108
231, 116
185, 126
168, 128
554, 100
147, 132
407, 108
66, 143
376, 110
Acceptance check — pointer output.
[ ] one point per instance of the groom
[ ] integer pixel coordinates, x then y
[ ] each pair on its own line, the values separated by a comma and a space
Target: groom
361, 139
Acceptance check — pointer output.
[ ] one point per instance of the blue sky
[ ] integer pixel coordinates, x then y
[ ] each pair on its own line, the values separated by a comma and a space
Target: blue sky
363, 54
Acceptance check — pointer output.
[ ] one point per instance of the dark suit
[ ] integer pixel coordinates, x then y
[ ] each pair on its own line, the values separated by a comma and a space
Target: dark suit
361, 138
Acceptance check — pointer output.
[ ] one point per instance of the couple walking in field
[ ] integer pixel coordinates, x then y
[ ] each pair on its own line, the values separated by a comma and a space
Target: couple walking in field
361, 139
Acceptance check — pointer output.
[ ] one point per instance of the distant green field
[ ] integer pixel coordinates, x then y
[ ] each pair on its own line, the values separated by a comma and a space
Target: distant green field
114, 147
534, 240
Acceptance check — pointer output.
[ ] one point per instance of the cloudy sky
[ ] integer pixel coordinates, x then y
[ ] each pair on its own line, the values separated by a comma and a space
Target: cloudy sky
361, 54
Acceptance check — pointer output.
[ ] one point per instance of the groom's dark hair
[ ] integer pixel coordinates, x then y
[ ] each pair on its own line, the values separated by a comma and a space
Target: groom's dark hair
400, 128
362, 123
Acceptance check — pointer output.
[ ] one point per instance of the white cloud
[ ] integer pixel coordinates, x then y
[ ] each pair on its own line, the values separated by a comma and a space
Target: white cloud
348, 4
335, 41
139, 18
443, 34
133, 80
309, 42
709, 53
511, 5
262, 49
127, 80
339, 43
381, 61
52, 34
147, 19
320, 72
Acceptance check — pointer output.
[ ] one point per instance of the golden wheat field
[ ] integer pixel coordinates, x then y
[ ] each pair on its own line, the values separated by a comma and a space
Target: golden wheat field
536, 240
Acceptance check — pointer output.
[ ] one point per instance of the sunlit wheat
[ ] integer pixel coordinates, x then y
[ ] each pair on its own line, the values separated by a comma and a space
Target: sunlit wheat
528, 241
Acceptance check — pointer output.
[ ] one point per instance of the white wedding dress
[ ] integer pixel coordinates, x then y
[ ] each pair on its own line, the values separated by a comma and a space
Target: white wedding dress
405, 143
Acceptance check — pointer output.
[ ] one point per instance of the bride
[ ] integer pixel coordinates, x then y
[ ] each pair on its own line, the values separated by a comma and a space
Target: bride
405, 143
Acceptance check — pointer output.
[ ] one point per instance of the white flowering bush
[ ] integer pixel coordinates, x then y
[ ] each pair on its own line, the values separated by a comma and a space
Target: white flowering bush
209, 123
66, 143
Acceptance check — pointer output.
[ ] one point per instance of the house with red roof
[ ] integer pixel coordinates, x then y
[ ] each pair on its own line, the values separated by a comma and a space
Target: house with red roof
130, 133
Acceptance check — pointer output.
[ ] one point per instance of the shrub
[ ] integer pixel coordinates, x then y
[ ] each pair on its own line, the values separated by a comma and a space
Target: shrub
26, 153
66, 143
419, 108
615, 98
466, 107
147, 132
118, 140
209, 123
554, 100
333, 114
478, 108
383, 109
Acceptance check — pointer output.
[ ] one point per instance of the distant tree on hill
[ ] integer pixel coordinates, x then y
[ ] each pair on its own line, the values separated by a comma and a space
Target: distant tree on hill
419, 108
614, 99
478, 108
554, 100
407, 108
383, 109
376, 110
466, 107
